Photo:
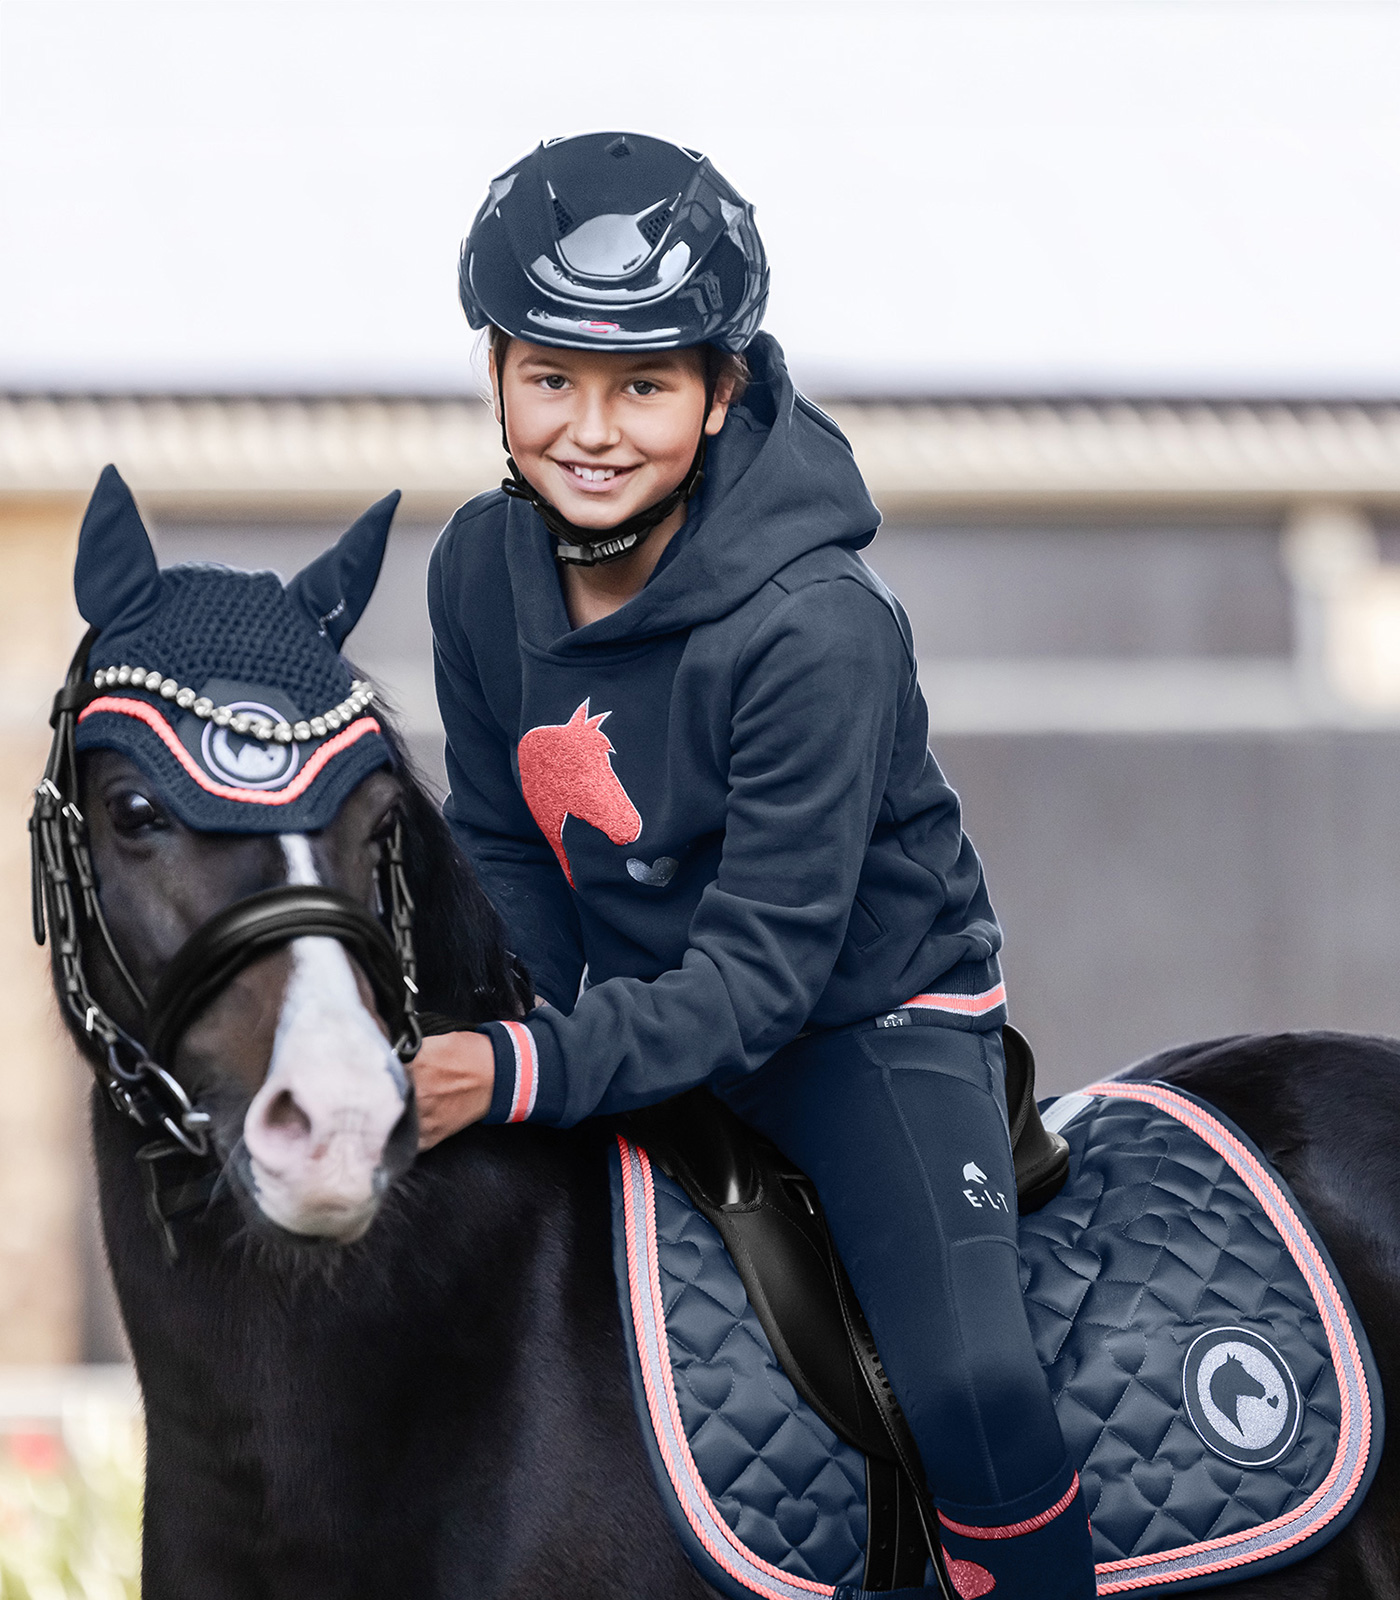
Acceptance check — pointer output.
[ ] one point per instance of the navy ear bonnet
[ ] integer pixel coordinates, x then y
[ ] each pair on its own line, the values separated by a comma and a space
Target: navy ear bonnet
228, 688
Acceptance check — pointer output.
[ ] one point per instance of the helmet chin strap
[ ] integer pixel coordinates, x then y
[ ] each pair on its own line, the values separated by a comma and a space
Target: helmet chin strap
592, 547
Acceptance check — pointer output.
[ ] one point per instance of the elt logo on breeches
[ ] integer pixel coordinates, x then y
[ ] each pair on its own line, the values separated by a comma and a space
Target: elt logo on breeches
981, 1197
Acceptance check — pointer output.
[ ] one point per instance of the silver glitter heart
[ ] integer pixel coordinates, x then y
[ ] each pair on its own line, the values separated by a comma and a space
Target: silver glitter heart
657, 875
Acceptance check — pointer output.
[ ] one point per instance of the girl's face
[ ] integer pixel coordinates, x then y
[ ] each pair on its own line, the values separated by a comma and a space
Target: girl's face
601, 434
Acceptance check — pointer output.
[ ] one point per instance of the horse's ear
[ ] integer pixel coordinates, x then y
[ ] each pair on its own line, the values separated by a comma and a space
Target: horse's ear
115, 578
335, 589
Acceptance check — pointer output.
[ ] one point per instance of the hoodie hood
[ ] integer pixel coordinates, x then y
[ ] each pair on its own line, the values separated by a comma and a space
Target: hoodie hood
780, 482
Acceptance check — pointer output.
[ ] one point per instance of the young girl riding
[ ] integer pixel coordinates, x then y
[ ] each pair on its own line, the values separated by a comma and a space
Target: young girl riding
689, 760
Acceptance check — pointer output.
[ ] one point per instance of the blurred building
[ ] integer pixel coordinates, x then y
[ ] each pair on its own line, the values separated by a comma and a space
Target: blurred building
1160, 644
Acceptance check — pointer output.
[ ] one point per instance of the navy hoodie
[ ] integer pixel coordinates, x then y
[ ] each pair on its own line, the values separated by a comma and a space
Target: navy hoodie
719, 800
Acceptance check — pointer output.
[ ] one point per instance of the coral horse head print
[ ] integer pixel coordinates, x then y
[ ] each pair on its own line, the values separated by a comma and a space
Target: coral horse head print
566, 771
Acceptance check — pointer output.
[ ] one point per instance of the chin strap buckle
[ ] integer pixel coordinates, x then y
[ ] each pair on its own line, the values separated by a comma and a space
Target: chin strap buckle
590, 555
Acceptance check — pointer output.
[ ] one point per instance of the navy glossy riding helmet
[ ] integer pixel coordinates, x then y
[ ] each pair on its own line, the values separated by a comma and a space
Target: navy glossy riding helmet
615, 241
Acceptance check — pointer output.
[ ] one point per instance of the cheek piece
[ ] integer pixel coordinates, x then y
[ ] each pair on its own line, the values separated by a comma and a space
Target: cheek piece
591, 547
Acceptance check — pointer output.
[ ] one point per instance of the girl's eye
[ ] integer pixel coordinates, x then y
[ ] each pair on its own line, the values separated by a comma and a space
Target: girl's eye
133, 812
643, 386
555, 381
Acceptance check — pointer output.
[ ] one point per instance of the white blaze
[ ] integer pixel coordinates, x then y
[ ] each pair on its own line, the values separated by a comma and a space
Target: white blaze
315, 1132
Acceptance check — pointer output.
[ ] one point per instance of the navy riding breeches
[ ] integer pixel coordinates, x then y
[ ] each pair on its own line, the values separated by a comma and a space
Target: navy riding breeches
903, 1129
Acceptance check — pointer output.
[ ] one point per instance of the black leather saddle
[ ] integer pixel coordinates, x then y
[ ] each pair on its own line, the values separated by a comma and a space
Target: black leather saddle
771, 1221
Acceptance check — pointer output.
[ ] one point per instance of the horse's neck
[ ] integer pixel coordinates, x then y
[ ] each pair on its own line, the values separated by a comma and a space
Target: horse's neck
481, 1291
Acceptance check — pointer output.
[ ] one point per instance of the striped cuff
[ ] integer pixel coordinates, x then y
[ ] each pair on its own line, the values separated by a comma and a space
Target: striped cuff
517, 1071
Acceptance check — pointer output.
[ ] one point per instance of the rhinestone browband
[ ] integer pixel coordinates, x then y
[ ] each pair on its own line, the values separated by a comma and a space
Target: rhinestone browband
361, 693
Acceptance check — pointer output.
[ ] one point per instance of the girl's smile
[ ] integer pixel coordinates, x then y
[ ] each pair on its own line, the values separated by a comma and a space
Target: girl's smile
591, 479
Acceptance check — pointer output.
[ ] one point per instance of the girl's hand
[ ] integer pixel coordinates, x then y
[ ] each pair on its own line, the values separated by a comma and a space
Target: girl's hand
453, 1076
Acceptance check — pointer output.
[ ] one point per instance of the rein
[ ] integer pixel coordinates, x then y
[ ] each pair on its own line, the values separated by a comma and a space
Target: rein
135, 1074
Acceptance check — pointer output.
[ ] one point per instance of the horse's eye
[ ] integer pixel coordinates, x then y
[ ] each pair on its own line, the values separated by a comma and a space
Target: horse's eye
383, 830
131, 812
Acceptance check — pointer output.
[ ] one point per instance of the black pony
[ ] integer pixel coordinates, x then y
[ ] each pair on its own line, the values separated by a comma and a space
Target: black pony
434, 1402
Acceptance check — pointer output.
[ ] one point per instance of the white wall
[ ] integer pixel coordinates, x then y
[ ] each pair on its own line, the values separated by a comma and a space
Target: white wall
1095, 193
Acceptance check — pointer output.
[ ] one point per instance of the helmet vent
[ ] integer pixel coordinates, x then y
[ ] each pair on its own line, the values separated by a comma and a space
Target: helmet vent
562, 219
655, 226
618, 148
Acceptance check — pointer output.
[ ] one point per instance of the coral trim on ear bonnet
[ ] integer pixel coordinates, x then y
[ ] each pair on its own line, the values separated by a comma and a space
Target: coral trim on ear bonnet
228, 688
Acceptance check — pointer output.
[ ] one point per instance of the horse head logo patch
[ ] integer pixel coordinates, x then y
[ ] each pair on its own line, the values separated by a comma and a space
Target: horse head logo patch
243, 761
1241, 1396
566, 771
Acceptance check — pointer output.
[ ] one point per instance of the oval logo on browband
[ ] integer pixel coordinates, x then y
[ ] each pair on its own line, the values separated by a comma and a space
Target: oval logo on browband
248, 763
1241, 1396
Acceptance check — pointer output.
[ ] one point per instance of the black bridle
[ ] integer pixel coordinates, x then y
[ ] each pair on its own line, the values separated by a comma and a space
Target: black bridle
135, 1074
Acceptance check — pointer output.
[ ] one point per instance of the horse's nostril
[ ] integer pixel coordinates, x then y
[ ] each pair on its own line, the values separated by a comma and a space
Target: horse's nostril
283, 1115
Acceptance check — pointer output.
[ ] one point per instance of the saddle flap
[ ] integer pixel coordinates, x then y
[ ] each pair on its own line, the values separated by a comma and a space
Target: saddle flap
771, 1223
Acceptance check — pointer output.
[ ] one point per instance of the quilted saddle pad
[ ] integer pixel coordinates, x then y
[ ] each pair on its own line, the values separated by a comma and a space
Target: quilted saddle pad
1208, 1370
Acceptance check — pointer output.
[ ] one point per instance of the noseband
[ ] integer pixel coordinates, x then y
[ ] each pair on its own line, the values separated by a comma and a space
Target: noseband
136, 1075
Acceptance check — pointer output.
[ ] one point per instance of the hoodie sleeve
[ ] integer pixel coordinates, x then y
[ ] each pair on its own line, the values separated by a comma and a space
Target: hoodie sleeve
491, 823
816, 698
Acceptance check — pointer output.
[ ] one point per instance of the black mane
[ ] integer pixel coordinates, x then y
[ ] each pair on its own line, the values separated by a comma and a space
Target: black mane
465, 973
